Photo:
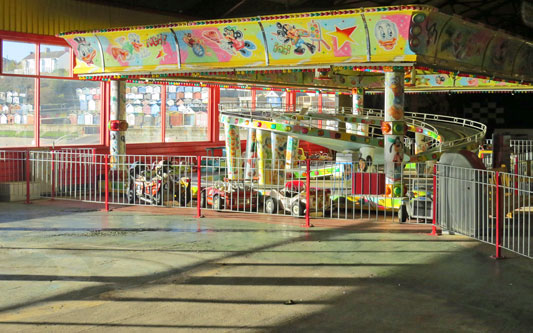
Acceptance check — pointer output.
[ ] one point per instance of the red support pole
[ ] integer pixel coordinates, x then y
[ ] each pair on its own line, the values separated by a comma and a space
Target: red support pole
106, 176
254, 96
498, 218
199, 188
28, 176
320, 101
53, 175
307, 190
434, 226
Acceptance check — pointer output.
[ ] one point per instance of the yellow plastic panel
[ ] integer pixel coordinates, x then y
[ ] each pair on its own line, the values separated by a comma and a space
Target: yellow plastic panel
389, 34
424, 32
234, 44
316, 39
146, 49
462, 42
88, 55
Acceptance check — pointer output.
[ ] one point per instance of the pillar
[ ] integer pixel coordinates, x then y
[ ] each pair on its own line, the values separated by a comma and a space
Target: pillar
358, 98
264, 156
249, 170
233, 151
290, 101
291, 154
117, 123
393, 129
279, 147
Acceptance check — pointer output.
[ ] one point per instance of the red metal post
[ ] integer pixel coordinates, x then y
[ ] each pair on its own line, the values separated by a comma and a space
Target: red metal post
199, 188
53, 175
434, 226
28, 176
498, 218
320, 101
254, 100
106, 177
307, 190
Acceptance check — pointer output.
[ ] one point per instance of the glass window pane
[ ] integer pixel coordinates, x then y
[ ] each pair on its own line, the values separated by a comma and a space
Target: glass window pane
17, 111
235, 100
143, 113
18, 58
187, 115
54, 60
266, 100
70, 112
307, 100
328, 103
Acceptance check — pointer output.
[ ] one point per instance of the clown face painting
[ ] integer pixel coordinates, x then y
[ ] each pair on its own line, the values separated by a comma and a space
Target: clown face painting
386, 34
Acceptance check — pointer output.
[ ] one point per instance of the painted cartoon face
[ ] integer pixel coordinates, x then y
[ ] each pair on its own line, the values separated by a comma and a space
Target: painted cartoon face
135, 41
85, 51
386, 34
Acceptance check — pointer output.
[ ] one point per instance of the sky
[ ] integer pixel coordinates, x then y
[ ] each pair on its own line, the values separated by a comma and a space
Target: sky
17, 51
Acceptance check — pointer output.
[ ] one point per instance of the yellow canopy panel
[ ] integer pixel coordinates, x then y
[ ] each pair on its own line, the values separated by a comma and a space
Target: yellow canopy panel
391, 35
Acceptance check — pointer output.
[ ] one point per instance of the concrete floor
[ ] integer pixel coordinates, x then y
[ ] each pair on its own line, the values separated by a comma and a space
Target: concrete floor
68, 267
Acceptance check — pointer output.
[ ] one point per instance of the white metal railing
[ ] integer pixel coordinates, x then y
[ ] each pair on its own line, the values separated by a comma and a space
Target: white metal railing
490, 206
313, 119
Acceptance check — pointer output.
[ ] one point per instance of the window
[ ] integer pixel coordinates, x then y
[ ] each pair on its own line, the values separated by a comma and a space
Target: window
307, 100
234, 100
143, 113
270, 99
70, 112
17, 111
187, 116
18, 58
54, 60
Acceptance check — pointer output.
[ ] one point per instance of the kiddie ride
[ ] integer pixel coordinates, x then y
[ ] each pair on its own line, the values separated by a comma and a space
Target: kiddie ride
157, 184
231, 196
292, 199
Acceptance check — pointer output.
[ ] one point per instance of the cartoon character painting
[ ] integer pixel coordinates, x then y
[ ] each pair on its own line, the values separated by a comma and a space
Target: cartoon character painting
386, 34
85, 51
195, 44
129, 49
287, 33
397, 159
231, 40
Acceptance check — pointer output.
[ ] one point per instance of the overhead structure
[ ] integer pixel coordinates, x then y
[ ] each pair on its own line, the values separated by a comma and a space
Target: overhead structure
394, 49
339, 49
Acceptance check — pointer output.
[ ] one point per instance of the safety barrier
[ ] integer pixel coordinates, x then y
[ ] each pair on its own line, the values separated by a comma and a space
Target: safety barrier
314, 189
309, 188
490, 206
520, 160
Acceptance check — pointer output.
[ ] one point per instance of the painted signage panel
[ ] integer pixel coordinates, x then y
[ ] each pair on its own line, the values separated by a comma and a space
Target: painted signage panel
238, 44
389, 35
316, 40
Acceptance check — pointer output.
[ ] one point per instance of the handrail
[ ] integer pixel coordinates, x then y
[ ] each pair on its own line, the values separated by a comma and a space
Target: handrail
260, 112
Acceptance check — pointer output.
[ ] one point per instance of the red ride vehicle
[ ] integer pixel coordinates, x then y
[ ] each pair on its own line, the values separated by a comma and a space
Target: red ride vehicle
231, 196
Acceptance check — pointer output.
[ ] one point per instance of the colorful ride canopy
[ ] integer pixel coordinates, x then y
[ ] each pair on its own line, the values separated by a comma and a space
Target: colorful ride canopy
398, 35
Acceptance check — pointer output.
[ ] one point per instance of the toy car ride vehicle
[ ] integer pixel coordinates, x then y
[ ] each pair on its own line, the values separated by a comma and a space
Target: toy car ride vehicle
157, 184
230, 195
292, 199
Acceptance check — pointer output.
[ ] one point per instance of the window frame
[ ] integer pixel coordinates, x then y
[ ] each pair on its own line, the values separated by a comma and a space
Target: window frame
39, 40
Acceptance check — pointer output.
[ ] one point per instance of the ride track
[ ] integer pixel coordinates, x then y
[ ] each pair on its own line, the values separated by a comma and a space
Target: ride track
343, 131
